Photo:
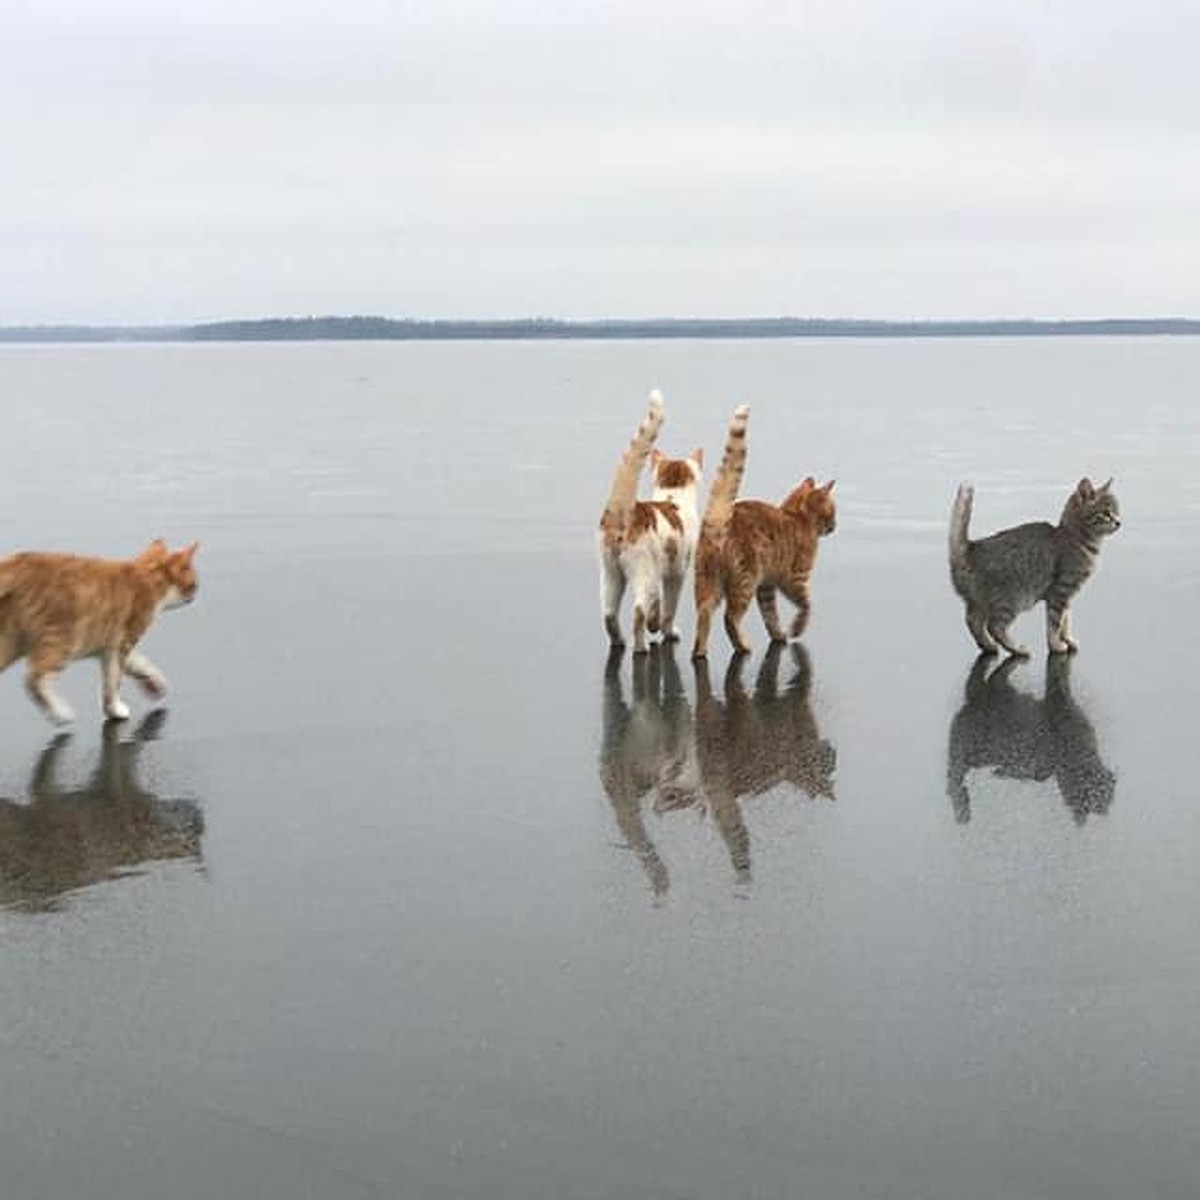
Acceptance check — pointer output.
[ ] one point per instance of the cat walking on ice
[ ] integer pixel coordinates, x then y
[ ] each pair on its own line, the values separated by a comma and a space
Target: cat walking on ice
1001, 576
648, 545
750, 549
56, 608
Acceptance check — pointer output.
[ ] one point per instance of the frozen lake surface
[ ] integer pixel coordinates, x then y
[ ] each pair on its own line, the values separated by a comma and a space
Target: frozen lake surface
413, 892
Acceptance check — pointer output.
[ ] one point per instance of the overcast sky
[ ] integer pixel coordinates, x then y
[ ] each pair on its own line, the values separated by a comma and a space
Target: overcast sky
187, 161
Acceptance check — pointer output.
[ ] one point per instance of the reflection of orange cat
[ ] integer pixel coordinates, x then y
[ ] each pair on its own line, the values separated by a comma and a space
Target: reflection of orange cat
654, 750
750, 549
66, 838
753, 743
55, 608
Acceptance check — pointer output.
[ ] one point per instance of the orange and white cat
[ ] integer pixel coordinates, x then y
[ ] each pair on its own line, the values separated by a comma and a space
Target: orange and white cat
750, 549
648, 545
56, 608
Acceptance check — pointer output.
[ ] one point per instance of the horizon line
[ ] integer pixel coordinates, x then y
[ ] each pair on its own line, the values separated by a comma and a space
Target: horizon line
376, 327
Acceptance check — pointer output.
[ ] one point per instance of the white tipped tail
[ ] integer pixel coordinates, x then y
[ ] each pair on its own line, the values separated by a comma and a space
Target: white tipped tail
728, 480
623, 494
959, 539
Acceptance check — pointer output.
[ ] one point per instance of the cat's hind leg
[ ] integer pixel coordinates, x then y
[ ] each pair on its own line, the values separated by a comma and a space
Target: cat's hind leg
997, 626
45, 662
977, 625
770, 613
647, 605
10, 651
672, 587
737, 602
612, 588
708, 596
704, 614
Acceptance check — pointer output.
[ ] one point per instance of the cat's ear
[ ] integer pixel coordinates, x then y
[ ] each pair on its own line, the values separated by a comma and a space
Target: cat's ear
1086, 489
828, 487
189, 552
698, 456
156, 552
1106, 486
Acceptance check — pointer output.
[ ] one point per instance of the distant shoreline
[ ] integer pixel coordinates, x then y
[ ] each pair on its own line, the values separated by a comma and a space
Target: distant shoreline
310, 329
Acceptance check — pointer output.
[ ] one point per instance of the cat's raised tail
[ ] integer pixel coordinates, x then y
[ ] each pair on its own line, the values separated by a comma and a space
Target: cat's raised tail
728, 480
959, 539
623, 494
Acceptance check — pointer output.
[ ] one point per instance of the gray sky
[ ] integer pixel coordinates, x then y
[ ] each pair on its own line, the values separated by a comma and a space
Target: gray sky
937, 158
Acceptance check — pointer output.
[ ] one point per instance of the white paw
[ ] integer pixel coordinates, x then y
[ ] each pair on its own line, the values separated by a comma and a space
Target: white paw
61, 714
118, 710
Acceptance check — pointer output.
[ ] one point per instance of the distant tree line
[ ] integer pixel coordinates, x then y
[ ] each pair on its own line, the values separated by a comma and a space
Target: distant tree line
371, 328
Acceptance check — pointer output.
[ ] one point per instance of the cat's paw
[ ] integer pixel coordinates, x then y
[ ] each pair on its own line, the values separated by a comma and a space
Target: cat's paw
670, 635
117, 710
155, 686
60, 714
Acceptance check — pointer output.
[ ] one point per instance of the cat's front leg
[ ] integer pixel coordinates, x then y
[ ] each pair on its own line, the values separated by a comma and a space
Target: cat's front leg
149, 677
110, 670
1058, 630
770, 613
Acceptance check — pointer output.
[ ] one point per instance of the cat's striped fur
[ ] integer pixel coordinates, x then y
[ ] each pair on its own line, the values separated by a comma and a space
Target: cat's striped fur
1001, 576
751, 549
55, 608
648, 545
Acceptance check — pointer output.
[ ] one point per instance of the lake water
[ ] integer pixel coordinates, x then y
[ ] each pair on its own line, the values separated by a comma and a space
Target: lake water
412, 893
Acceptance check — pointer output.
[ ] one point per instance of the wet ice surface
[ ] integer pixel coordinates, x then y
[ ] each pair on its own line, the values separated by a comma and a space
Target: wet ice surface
414, 892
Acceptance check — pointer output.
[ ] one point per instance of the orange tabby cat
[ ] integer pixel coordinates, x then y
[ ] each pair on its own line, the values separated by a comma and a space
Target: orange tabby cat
55, 608
751, 549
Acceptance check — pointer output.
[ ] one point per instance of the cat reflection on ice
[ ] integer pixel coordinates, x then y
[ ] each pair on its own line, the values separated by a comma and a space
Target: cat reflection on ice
1020, 736
656, 751
63, 837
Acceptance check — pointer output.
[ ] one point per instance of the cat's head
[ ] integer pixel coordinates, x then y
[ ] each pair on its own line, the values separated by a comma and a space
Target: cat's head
672, 474
1093, 509
175, 569
815, 502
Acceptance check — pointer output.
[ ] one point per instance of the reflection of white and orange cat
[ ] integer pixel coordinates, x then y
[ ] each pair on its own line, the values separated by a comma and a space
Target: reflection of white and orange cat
56, 608
659, 751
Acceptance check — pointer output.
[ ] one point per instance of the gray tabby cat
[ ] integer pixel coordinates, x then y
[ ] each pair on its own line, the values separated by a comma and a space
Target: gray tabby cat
1001, 576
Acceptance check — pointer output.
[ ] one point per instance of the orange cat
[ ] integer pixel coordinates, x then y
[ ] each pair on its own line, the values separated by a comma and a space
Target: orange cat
55, 608
751, 549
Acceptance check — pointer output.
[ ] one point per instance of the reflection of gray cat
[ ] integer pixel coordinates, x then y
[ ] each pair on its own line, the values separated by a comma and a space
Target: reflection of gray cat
1001, 576
66, 838
751, 744
1022, 737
